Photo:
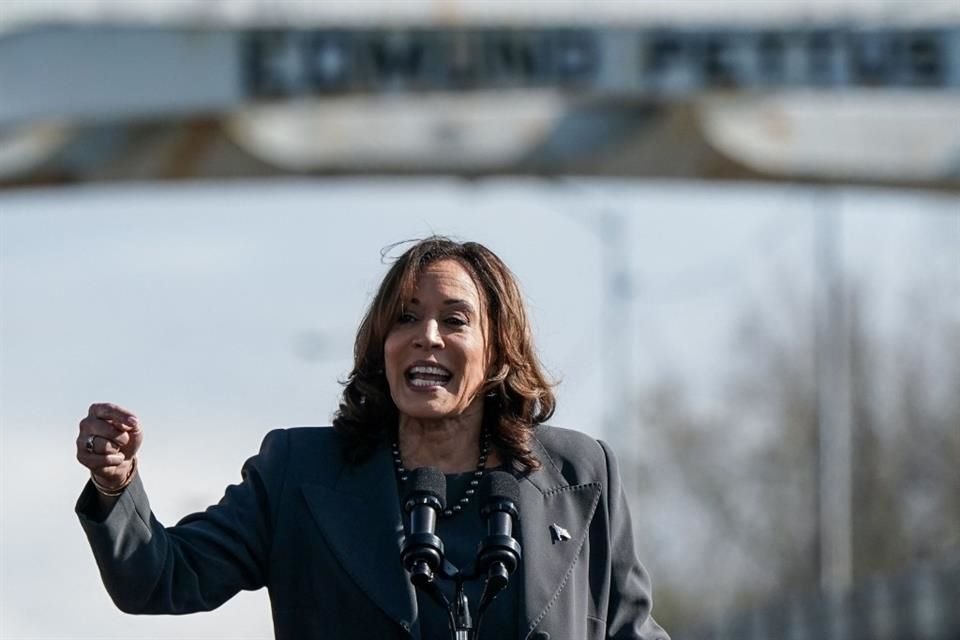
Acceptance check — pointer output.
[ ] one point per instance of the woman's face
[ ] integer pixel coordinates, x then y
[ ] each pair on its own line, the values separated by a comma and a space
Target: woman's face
436, 353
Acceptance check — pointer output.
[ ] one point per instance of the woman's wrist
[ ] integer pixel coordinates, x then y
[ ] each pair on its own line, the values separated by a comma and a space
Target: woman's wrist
111, 491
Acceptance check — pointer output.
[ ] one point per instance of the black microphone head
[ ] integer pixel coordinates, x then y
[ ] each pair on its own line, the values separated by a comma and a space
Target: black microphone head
427, 481
499, 485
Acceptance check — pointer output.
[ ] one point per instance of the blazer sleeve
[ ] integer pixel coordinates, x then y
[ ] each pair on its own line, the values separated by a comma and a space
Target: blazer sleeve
631, 600
201, 562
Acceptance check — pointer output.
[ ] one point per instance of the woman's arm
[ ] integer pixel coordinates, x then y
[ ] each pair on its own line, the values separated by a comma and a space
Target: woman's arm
199, 563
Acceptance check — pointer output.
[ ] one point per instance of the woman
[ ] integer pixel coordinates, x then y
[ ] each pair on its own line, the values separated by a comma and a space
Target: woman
445, 376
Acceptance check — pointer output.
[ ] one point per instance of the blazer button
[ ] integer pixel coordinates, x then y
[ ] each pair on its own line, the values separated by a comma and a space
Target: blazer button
540, 635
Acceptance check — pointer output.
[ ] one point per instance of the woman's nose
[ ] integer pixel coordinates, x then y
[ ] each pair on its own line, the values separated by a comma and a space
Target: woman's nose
429, 335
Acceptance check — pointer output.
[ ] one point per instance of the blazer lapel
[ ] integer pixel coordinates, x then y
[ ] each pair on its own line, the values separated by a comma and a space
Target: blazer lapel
547, 499
360, 520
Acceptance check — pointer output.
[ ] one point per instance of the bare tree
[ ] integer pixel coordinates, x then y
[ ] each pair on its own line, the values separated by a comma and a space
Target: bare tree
747, 467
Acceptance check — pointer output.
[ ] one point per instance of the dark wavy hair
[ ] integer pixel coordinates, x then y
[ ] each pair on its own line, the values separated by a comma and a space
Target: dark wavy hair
517, 397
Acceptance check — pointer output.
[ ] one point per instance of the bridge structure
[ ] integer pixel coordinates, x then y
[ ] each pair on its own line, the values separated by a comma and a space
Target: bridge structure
113, 101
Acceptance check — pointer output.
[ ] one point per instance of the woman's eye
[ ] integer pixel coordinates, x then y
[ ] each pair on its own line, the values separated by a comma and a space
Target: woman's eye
406, 318
456, 321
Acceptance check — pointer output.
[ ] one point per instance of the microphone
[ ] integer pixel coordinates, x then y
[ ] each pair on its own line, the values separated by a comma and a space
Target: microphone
422, 550
499, 553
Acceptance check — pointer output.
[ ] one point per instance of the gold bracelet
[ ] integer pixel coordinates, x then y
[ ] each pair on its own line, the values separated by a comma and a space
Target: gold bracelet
113, 493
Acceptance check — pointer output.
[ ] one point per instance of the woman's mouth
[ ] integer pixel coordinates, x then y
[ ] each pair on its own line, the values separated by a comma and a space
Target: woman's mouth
426, 376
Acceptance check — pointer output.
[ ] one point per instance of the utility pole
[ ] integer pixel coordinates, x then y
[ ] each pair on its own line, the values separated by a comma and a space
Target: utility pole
617, 338
616, 343
834, 429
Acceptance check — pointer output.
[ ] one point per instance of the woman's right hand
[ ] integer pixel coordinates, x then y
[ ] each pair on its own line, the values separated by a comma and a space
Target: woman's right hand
110, 437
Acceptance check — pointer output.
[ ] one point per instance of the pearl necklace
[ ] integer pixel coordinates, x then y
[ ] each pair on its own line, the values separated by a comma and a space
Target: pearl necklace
460, 504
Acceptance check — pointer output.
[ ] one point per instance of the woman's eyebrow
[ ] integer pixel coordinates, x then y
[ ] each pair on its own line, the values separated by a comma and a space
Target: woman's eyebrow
449, 302
459, 302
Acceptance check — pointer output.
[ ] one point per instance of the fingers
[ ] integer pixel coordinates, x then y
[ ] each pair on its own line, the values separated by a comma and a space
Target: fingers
114, 414
98, 444
95, 452
104, 430
99, 461
108, 438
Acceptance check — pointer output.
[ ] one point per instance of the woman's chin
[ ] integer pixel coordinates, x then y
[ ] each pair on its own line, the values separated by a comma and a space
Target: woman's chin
429, 408
427, 413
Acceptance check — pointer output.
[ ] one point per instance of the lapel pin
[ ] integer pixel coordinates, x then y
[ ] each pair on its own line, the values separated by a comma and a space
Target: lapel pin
558, 533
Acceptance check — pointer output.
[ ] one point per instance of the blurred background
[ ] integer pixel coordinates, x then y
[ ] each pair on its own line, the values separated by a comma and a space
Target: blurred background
737, 225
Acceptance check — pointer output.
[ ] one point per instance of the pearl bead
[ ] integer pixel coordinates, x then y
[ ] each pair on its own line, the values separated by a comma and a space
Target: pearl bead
470, 492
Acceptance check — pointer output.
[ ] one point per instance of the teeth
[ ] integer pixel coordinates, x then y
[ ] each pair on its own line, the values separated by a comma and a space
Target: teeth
430, 371
423, 375
425, 382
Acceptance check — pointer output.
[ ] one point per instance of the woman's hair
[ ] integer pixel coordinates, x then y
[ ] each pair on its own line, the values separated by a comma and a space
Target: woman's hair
517, 397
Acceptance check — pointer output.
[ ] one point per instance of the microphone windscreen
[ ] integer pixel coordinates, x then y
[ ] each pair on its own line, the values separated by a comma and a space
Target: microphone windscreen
499, 485
429, 481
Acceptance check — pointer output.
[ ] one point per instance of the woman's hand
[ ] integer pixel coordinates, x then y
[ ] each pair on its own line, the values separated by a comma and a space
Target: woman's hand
110, 437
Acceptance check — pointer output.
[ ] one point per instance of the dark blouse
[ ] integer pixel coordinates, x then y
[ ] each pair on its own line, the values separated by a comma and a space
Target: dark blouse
461, 535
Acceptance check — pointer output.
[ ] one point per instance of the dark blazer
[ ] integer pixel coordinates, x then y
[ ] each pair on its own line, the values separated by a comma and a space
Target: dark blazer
324, 537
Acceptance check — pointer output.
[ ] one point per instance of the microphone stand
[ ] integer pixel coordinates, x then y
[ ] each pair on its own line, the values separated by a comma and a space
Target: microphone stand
497, 558
458, 611
462, 622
